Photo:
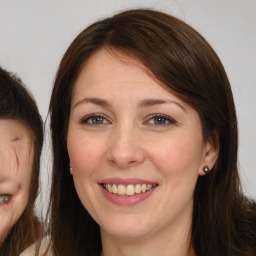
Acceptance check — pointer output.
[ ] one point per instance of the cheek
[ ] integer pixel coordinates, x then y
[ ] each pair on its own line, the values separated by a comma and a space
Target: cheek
85, 155
178, 161
86, 158
25, 171
7, 221
23, 176
9, 215
16, 164
177, 156
8, 161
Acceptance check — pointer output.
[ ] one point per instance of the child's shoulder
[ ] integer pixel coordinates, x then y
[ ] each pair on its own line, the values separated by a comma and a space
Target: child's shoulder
43, 246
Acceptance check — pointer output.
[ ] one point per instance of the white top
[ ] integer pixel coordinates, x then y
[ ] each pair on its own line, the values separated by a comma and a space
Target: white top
30, 251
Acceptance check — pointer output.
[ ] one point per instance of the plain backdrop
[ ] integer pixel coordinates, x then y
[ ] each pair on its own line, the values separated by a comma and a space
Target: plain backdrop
34, 35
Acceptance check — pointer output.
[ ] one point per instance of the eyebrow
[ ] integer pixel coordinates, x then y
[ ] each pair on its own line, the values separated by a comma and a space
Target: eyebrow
153, 102
96, 101
17, 138
142, 104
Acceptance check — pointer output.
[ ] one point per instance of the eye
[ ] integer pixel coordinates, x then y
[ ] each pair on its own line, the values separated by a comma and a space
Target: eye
161, 120
4, 199
94, 119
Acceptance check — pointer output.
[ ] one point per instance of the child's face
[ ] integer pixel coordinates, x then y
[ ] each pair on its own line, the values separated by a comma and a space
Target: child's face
16, 163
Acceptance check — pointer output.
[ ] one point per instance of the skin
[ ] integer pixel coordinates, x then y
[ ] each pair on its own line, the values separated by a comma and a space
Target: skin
16, 160
130, 143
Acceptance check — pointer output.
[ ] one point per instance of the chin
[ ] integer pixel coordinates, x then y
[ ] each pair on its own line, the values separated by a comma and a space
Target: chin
127, 230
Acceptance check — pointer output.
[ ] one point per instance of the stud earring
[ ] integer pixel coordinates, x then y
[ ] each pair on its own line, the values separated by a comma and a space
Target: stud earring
206, 169
70, 168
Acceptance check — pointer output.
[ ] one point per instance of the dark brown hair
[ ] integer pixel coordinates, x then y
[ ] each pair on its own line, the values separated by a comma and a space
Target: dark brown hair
180, 58
17, 104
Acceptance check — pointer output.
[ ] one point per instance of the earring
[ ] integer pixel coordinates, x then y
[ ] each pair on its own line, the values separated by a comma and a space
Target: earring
206, 169
70, 168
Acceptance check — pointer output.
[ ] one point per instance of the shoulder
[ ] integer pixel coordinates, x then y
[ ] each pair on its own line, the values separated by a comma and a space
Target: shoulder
44, 249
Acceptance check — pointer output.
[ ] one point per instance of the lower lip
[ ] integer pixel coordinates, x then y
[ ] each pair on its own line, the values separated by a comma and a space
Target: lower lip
127, 200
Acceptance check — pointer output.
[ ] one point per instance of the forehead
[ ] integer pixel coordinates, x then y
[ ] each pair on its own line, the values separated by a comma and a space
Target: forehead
15, 143
12, 131
108, 62
111, 72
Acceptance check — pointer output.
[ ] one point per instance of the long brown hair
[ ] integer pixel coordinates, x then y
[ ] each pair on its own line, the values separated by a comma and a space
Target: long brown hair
180, 58
17, 104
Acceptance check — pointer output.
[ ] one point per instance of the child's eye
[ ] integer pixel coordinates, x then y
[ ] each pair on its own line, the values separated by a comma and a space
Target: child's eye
160, 119
94, 120
4, 199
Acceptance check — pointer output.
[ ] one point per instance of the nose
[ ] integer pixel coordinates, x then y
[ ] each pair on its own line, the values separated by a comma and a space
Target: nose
125, 149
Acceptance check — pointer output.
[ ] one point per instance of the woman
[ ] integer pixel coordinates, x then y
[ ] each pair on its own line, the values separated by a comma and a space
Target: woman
21, 139
143, 118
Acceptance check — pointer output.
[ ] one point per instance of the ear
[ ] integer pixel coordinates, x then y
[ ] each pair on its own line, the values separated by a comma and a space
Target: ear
211, 153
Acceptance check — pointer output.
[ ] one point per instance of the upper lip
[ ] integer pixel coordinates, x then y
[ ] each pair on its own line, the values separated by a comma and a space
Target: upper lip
125, 181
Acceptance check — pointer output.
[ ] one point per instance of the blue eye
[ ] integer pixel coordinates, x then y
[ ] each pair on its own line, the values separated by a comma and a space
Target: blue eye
94, 120
160, 119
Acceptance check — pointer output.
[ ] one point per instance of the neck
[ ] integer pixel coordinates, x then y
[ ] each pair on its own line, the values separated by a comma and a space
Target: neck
172, 243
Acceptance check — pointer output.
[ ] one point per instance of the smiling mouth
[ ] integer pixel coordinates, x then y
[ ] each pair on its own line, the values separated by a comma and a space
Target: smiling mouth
128, 190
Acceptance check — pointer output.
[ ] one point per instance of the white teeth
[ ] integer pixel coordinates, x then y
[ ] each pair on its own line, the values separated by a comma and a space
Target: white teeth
128, 190
144, 188
114, 189
149, 186
109, 188
121, 190
138, 188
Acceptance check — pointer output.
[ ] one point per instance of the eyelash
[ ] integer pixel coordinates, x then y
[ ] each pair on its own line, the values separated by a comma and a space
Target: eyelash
167, 119
5, 199
85, 120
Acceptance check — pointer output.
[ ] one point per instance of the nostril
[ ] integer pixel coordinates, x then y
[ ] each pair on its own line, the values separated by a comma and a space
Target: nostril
125, 158
132, 162
123, 164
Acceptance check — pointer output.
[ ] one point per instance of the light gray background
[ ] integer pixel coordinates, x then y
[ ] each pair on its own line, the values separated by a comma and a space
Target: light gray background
35, 34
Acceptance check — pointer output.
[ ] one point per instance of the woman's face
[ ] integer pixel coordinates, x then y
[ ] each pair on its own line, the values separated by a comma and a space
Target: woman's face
16, 159
136, 149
